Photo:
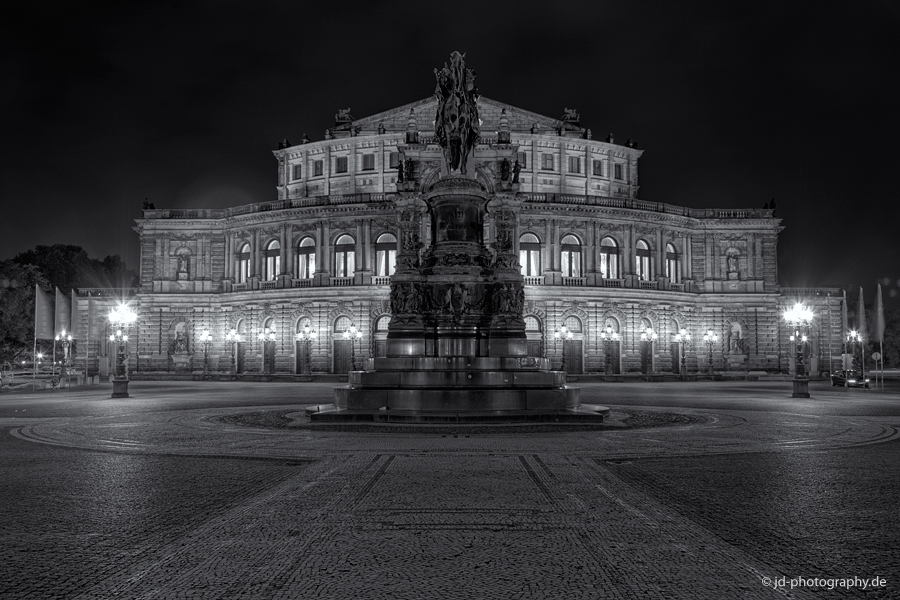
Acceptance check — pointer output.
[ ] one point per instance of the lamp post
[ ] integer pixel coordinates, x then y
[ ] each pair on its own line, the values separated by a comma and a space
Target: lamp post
121, 319
608, 336
65, 340
307, 334
683, 338
799, 318
710, 337
267, 335
353, 334
205, 339
233, 338
853, 338
562, 333
648, 336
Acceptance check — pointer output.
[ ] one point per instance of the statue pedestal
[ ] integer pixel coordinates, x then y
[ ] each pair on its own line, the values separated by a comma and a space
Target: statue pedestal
456, 346
120, 388
182, 361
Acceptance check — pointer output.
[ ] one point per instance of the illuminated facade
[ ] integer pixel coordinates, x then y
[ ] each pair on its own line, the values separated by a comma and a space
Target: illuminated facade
594, 257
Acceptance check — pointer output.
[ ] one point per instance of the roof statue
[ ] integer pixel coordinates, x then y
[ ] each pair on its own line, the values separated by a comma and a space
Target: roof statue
456, 122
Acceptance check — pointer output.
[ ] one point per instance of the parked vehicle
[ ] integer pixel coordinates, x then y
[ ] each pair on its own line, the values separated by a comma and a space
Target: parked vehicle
850, 378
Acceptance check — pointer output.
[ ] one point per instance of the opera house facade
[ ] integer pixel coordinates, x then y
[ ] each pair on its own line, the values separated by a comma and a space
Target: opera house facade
614, 284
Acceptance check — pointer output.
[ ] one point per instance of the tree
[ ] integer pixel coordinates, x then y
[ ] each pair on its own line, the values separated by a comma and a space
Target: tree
17, 283
64, 266
68, 267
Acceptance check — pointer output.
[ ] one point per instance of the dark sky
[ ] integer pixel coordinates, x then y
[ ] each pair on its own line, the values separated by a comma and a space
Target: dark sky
734, 103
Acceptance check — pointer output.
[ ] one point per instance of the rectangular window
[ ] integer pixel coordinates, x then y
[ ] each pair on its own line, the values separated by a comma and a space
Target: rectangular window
395, 159
598, 168
521, 157
547, 162
368, 163
297, 172
318, 168
618, 171
340, 164
574, 164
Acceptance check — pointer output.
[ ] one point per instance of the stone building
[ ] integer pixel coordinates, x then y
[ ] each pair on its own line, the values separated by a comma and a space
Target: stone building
596, 259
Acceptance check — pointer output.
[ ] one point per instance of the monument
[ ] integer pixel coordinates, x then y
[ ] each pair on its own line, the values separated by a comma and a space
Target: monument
456, 342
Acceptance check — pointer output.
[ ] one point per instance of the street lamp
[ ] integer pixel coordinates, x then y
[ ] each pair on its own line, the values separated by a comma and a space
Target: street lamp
65, 340
608, 336
799, 318
121, 319
205, 339
562, 333
267, 335
710, 337
648, 336
853, 338
683, 338
233, 338
307, 334
353, 334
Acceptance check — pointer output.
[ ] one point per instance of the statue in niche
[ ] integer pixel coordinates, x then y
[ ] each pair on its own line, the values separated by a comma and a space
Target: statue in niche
180, 345
735, 341
504, 170
732, 263
183, 268
400, 172
516, 169
456, 124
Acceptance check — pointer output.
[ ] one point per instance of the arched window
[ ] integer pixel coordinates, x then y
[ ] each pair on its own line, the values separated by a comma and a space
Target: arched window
382, 323
609, 258
532, 324
273, 260
344, 256
672, 270
571, 256
242, 264
342, 324
530, 255
305, 265
642, 260
385, 254
573, 324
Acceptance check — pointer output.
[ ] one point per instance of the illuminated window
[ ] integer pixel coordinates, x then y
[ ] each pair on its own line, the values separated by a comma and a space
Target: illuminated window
672, 270
342, 324
571, 256
344, 256
273, 260
530, 255
305, 265
609, 258
642, 260
532, 324
385, 254
242, 264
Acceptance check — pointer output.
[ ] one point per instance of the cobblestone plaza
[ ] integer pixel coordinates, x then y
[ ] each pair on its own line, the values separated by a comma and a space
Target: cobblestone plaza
224, 490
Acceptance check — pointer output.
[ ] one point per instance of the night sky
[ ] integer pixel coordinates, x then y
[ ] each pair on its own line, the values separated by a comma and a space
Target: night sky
734, 103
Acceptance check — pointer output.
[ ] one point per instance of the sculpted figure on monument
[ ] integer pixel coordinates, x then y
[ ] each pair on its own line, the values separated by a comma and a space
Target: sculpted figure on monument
516, 168
504, 170
456, 122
